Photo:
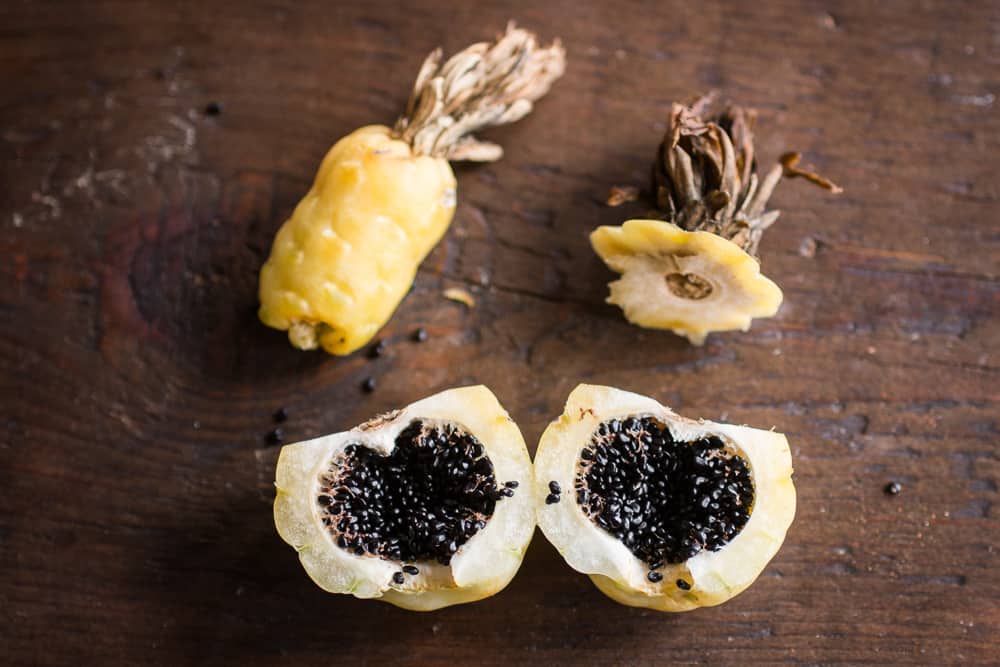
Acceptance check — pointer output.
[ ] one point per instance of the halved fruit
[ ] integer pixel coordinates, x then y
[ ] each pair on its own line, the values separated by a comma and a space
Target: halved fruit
424, 507
659, 510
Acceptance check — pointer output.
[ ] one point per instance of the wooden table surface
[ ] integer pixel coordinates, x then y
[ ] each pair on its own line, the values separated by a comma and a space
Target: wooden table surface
138, 386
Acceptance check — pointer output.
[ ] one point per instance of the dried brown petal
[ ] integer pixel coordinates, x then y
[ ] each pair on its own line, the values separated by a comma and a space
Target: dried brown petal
789, 162
484, 85
461, 296
705, 175
621, 194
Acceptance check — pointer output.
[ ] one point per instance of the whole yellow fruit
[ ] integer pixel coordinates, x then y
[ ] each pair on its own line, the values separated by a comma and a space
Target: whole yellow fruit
348, 255
384, 197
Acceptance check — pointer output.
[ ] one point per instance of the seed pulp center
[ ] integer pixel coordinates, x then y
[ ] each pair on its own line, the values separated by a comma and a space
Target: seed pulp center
665, 500
422, 502
688, 286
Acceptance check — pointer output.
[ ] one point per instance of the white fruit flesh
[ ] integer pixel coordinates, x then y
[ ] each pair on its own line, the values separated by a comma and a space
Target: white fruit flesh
480, 568
715, 576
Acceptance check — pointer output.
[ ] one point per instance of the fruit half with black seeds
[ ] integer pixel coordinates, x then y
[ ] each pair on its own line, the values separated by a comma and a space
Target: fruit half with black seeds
662, 511
424, 507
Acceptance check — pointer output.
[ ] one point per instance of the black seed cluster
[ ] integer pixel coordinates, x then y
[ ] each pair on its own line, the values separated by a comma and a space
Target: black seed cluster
665, 500
423, 502
555, 493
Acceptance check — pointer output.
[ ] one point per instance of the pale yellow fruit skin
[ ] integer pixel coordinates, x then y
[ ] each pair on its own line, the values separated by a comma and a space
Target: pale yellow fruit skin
350, 251
645, 251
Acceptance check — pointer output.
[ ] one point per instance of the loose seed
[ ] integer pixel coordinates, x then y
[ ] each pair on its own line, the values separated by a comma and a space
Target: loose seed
376, 350
420, 335
410, 569
280, 415
368, 386
683, 585
398, 577
892, 488
275, 436
655, 577
551, 499
554, 487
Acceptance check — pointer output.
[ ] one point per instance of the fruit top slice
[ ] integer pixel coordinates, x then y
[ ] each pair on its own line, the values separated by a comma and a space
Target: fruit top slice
691, 283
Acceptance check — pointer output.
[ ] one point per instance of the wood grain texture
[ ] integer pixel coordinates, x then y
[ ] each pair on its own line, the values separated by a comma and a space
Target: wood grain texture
137, 385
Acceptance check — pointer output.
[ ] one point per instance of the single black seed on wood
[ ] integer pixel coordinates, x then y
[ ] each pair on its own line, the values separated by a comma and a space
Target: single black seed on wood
655, 577
683, 585
280, 415
376, 350
420, 335
368, 386
398, 577
275, 436
892, 488
213, 109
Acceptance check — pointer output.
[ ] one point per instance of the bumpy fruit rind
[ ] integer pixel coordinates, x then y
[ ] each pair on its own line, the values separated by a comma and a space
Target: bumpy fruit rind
483, 566
347, 256
654, 256
715, 576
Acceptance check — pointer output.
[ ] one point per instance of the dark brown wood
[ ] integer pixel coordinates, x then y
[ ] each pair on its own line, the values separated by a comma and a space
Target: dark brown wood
138, 387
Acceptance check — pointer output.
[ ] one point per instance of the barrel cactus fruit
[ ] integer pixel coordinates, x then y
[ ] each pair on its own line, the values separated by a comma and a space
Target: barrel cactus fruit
658, 510
425, 507
384, 197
